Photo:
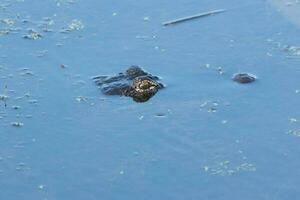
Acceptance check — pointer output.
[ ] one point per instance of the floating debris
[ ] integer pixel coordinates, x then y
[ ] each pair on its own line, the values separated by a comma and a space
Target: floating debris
210, 106
32, 35
183, 19
16, 107
32, 101
225, 168
3, 97
75, 24
81, 99
293, 120
294, 132
224, 121
9, 22
4, 32
41, 187
244, 78
292, 50
220, 70
146, 18
21, 166
160, 115
246, 167
206, 168
212, 110
17, 124
27, 73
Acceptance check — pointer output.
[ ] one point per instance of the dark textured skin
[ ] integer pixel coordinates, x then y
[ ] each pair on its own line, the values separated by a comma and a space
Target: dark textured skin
135, 83
244, 78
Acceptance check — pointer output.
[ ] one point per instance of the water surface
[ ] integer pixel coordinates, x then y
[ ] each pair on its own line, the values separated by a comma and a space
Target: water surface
203, 137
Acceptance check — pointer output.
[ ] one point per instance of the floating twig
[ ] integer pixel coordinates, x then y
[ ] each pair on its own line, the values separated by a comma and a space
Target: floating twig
183, 19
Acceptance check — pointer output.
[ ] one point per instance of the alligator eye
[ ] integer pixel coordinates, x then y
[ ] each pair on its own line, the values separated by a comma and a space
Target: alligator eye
145, 84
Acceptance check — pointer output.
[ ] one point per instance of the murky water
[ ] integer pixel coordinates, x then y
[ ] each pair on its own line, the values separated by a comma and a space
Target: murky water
202, 137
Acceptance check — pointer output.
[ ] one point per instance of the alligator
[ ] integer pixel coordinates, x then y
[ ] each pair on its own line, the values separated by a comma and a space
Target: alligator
134, 82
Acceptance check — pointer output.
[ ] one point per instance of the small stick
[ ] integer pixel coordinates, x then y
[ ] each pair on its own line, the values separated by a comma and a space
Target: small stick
183, 19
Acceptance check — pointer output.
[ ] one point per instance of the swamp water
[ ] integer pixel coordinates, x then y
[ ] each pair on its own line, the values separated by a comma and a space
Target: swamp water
202, 137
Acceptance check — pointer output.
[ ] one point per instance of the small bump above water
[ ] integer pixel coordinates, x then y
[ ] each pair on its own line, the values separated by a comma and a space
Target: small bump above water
244, 78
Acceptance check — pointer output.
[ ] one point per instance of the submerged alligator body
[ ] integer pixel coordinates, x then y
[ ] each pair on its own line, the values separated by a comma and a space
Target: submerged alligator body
134, 82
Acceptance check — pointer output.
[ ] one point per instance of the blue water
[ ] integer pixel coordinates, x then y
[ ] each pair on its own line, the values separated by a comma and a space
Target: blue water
202, 137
